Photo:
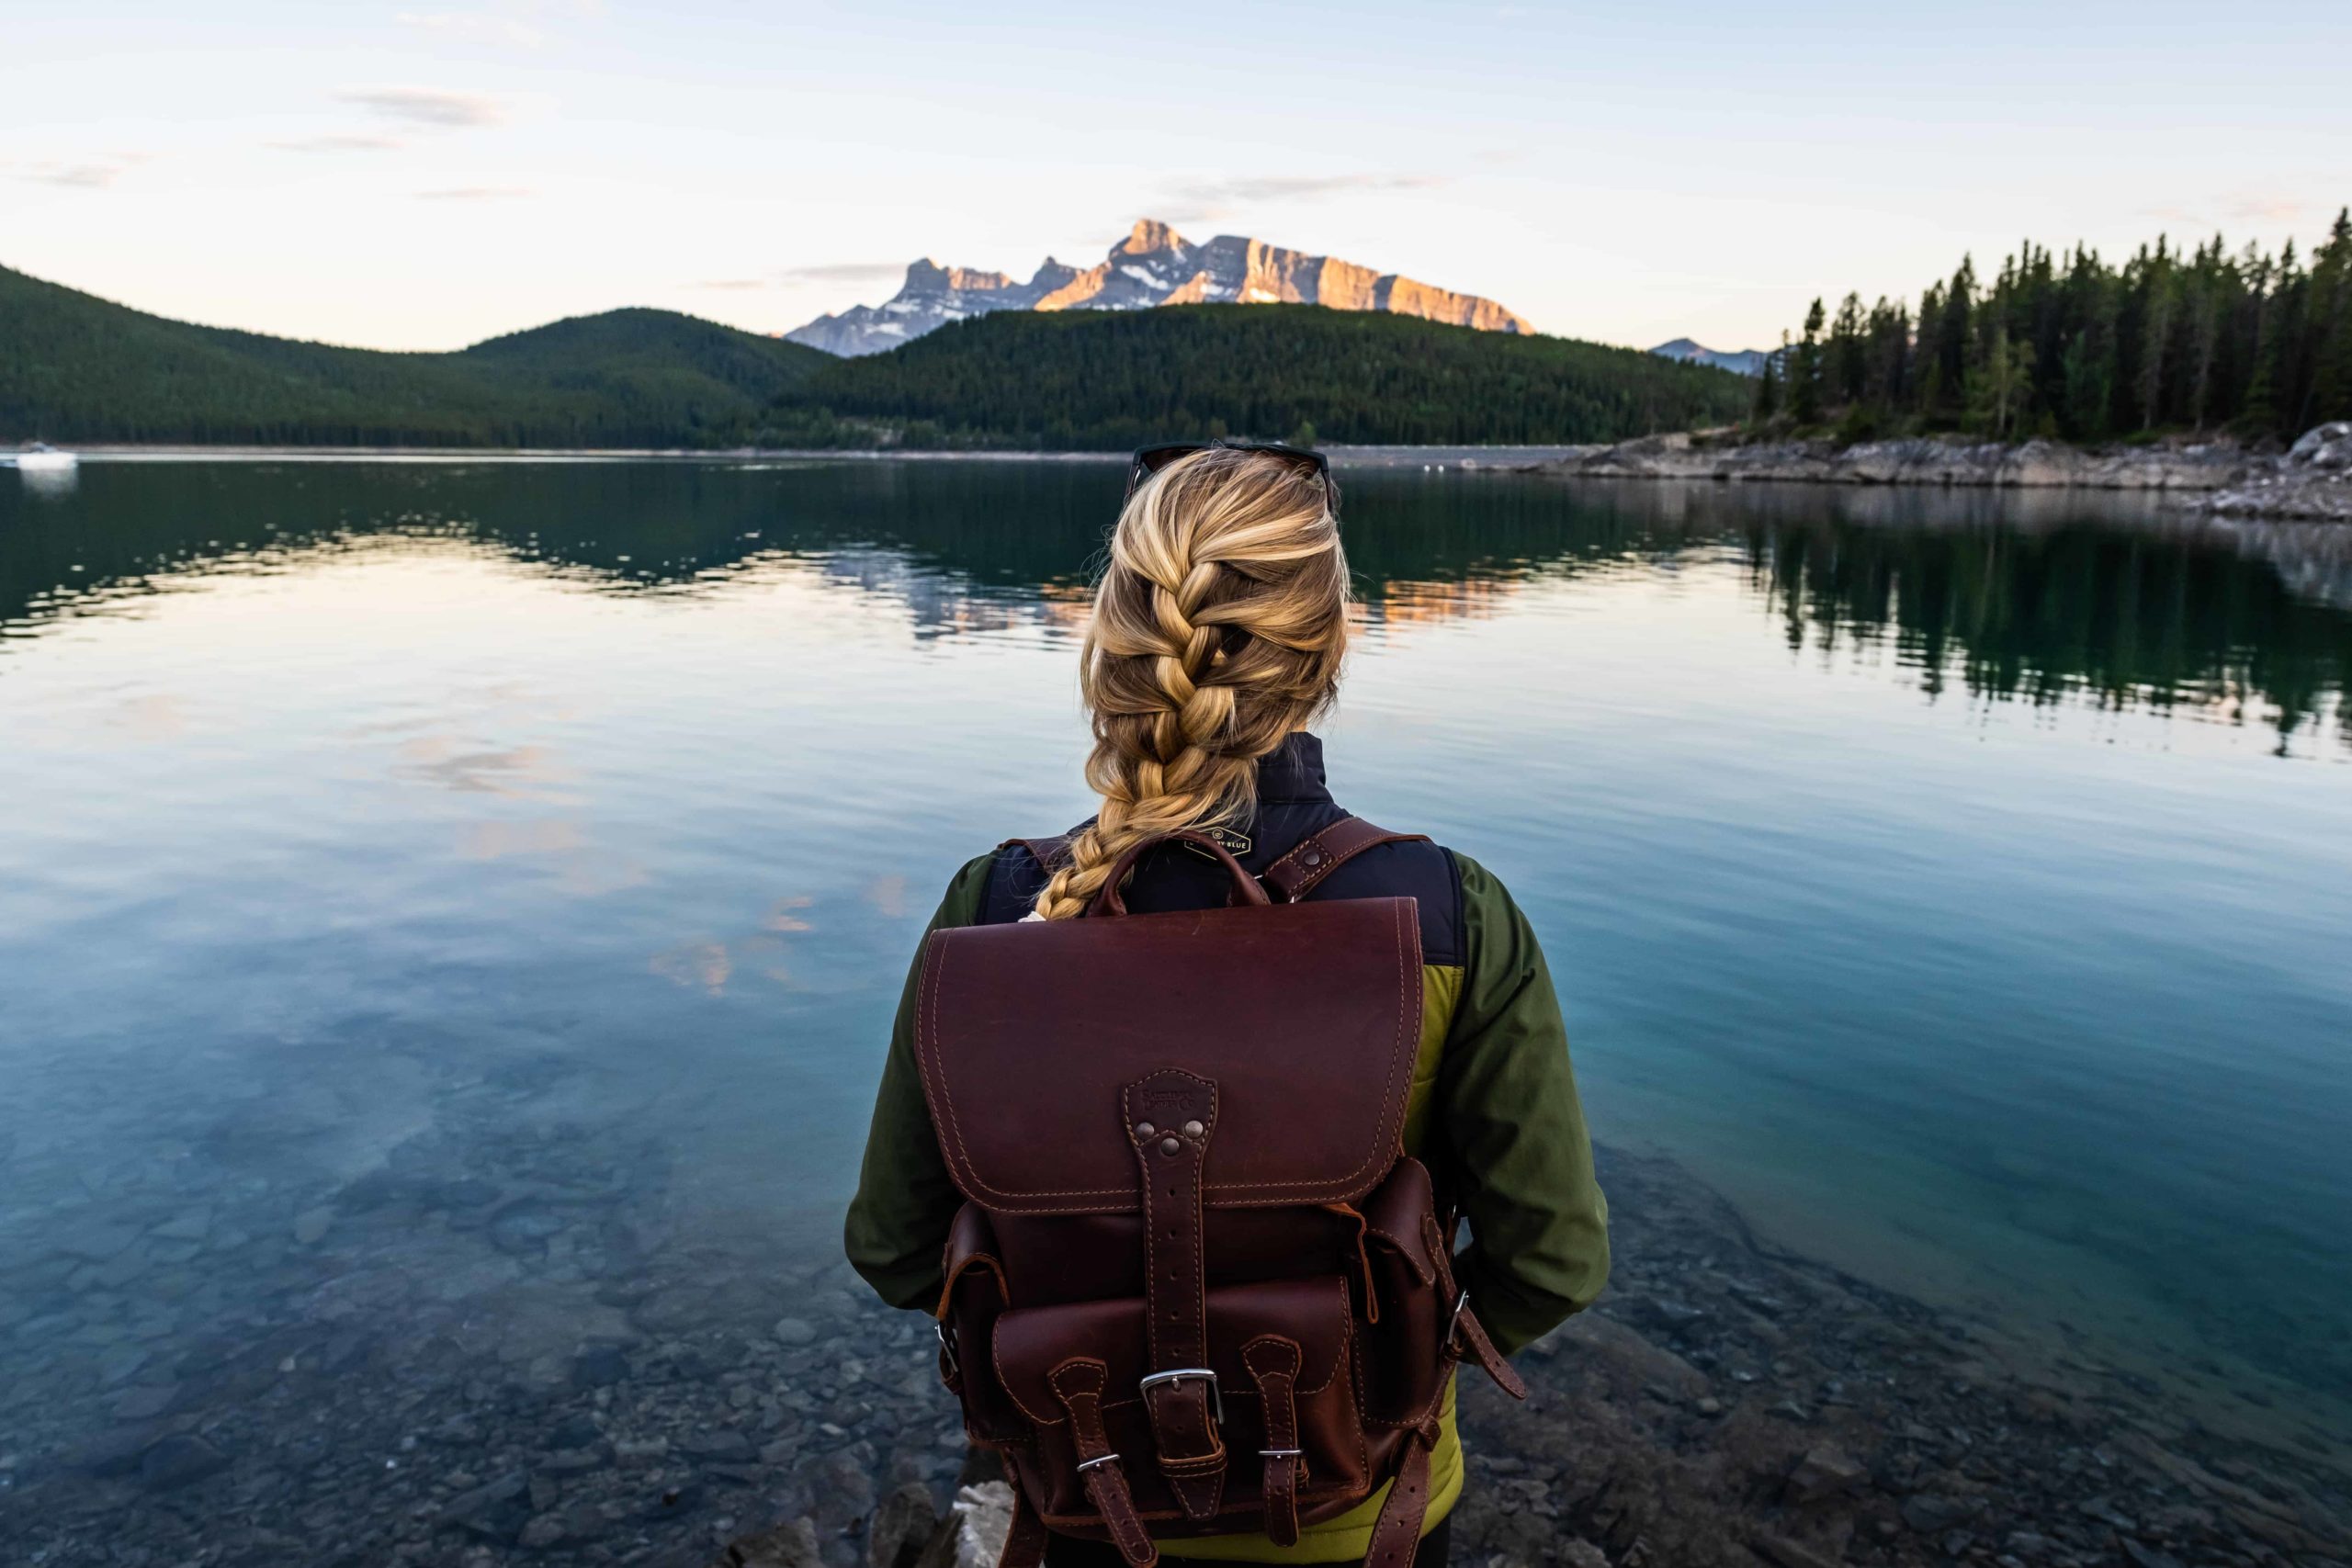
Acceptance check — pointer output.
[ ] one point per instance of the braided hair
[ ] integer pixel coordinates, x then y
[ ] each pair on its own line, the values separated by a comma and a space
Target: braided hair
1218, 630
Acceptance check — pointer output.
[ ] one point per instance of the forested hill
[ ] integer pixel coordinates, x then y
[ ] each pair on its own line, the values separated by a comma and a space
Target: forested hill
2206, 340
1111, 380
77, 368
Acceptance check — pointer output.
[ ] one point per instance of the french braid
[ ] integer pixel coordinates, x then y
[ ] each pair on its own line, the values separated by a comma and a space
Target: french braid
1218, 629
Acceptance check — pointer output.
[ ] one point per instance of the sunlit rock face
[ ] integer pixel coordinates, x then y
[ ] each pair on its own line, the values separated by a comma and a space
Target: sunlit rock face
1153, 265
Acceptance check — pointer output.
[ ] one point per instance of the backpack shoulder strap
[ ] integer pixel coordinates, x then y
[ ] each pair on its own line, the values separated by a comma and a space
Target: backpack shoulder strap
1317, 855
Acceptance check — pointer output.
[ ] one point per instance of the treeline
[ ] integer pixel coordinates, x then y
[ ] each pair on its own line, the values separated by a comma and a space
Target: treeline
2206, 341
1103, 380
77, 368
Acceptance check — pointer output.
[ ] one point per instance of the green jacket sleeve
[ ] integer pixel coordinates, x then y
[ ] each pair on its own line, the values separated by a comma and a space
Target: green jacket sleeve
1507, 1097
898, 1220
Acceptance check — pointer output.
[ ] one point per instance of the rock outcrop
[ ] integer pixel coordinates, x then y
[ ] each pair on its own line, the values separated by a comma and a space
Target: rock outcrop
1918, 461
2310, 481
1153, 265
2314, 481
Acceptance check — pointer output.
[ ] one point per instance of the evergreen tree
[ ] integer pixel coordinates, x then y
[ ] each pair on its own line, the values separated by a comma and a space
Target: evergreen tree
2000, 388
1768, 386
2330, 319
1804, 372
1849, 352
2173, 340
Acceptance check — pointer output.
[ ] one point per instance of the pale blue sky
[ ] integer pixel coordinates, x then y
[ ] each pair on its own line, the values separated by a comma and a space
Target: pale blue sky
426, 173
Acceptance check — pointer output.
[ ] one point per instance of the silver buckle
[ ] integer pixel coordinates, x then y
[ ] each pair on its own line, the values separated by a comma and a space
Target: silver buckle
1185, 1374
1454, 1319
947, 1348
1098, 1458
1280, 1453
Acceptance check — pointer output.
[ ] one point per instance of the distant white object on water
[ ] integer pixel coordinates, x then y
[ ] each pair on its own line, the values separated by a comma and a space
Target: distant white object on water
42, 458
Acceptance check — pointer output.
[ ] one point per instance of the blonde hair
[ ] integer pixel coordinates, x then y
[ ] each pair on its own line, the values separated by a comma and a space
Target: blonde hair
1219, 627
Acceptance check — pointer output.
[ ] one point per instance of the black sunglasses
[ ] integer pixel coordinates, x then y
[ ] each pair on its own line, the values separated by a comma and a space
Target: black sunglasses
1149, 460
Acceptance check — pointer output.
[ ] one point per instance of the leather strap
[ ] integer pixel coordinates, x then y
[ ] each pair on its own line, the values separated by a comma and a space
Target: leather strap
1274, 1361
1171, 1117
1471, 1335
1396, 1535
1112, 900
1078, 1382
1316, 856
1466, 1332
1026, 1539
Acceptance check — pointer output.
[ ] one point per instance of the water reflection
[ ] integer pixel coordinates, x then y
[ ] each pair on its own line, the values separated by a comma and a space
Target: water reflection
48, 484
450, 914
2036, 596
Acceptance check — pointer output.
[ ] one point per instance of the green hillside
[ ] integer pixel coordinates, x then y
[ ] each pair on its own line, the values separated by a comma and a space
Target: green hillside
1102, 379
75, 367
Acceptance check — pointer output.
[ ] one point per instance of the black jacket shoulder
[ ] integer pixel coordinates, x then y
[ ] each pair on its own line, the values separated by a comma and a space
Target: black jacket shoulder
1174, 877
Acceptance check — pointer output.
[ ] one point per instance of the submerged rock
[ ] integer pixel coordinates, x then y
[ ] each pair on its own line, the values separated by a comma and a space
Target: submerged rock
178, 1461
901, 1528
787, 1546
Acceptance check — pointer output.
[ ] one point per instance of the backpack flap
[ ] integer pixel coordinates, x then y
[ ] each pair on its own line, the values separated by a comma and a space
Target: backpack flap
1305, 1018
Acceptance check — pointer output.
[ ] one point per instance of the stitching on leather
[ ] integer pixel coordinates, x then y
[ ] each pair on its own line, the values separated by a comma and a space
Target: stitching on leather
1425, 1275
975, 1260
926, 1058
1391, 1118
1391, 1124
1123, 1522
1102, 1484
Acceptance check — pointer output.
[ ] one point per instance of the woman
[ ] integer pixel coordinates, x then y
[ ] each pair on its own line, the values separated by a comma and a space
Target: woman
1219, 632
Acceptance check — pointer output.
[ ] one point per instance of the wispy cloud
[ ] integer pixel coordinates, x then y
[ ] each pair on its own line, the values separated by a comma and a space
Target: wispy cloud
2241, 207
826, 274
427, 105
476, 193
339, 144
475, 27
76, 174
2254, 209
79, 176
1215, 198
842, 272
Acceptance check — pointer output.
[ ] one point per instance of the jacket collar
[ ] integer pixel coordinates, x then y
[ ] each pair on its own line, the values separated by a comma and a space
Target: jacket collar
1293, 772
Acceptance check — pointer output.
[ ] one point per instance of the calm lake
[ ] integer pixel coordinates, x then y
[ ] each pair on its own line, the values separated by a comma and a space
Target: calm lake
434, 893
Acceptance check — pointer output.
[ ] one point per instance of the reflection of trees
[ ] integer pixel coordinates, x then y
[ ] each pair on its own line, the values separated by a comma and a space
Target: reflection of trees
2028, 595
2036, 613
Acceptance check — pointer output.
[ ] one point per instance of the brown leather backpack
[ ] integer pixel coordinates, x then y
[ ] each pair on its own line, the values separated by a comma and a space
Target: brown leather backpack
1197, 1286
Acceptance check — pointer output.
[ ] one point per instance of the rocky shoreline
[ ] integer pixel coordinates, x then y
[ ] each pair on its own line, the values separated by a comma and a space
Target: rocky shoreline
521, 1360
2311, 480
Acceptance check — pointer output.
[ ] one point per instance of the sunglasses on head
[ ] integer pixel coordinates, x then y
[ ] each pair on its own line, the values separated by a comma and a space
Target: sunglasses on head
1149, 460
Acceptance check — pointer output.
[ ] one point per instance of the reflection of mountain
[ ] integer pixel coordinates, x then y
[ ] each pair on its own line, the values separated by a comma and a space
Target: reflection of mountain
2023, 598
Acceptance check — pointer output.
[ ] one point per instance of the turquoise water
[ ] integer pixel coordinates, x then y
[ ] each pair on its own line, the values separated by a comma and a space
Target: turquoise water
1963, 883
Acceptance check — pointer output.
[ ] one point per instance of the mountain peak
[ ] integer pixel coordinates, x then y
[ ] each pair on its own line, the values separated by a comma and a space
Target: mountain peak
1740, 362
1153, 265
1147, 237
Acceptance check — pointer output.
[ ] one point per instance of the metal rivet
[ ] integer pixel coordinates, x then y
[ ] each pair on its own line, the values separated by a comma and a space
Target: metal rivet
1312, 857
1169, 1146
1144, 1129
1192, 1129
